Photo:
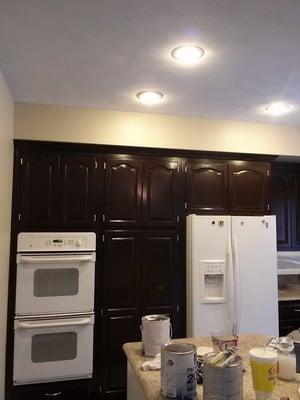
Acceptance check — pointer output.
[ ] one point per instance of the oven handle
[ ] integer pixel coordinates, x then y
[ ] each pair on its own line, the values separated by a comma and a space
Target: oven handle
34, 325
55, 259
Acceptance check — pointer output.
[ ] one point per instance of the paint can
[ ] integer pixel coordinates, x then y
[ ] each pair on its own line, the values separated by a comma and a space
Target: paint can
222, 382
178, 371
156, 332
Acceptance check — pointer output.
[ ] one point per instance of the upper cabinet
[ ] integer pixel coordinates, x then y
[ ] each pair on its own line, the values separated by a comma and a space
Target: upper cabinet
55, 188
77, 182
227, 187
207, 187
37, 187
142, 191
123, 188
162, 199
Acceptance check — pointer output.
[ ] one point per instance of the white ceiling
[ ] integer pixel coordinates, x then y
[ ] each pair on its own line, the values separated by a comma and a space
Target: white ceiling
99, 53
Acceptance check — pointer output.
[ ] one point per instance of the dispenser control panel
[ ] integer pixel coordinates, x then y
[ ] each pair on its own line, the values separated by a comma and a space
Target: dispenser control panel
212, 281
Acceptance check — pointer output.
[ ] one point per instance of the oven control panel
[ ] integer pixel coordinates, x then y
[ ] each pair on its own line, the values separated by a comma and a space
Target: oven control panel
56, 241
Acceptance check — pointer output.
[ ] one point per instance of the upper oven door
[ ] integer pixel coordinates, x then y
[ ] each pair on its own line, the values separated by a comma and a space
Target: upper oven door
55, 283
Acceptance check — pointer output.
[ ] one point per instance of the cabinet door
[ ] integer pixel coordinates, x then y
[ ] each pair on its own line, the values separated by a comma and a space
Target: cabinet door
161, 191
295, 210
207, 187
38, 188
160, 273
249, 187
123, 188
78, 189
280, 206
121, 314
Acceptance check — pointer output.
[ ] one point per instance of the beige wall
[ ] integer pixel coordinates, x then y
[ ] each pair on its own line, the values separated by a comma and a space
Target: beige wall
70, 124
6, 169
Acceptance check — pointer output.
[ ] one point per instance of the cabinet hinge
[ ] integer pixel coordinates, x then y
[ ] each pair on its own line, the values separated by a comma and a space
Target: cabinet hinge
96, 164
185, 205
19, 216
104, 165
102, 312
178, 169
178, 219
21, 161
268, 207
103, 238
100, 389
185, 169
268, 172
177, 307
95, 217
177, 238
103, 217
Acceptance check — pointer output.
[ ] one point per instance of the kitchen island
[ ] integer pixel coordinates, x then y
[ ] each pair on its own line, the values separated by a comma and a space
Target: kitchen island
145, 385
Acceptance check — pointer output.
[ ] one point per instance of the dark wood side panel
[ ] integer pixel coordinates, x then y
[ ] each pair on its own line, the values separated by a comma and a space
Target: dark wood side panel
123, 189
78, 189
38, 188
161, 191
249, 187
295, 210
280, 206
207, 187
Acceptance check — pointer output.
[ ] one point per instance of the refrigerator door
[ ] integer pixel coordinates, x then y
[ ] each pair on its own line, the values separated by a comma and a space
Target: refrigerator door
208, 274
255, 268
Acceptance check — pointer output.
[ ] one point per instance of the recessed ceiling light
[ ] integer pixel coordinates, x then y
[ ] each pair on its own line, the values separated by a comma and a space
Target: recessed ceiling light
277, 108
187, 54
149, 97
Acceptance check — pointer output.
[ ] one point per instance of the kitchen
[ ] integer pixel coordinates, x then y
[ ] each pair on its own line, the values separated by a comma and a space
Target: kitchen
157, 145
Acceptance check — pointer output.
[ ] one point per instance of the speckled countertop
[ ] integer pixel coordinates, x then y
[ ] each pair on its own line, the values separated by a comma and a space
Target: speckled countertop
150, 380
288, 294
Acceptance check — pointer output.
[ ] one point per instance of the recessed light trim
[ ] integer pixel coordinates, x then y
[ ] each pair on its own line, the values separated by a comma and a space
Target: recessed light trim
149, 97
188, 54
277, 108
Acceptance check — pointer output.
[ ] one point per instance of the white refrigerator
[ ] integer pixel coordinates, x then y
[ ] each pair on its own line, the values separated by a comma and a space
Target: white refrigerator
231, 275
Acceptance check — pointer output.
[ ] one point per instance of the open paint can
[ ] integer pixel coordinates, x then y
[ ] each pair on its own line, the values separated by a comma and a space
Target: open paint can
156, 332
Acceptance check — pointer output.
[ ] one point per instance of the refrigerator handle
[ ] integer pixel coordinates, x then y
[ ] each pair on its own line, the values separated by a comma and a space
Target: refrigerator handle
235, 276
230, 284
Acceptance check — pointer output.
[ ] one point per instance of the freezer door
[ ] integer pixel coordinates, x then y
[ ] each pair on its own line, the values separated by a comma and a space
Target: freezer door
255, 268
209, 293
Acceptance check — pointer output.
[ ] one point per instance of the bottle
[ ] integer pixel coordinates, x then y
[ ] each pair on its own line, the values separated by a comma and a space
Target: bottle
286, 359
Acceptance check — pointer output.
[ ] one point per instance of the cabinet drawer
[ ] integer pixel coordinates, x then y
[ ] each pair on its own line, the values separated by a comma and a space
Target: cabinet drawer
289, 310
52, 392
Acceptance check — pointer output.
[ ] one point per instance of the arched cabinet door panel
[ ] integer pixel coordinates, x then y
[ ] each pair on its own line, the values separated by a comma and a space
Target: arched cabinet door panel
37, 176
162, 196
78, 189
249, 187
123, 190
207, 187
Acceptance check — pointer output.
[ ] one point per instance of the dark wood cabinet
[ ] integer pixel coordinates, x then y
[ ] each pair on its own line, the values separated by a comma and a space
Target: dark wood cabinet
249, 187
280, 206
289, 316
77, 189
295, 209
37, 188
123, 190
162, 194
207, 187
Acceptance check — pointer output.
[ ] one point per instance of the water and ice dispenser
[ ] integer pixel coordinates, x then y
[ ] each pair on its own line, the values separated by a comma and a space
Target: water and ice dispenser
212, 281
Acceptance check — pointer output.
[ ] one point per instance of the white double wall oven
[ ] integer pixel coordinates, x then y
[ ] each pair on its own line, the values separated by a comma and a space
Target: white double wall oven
54, 315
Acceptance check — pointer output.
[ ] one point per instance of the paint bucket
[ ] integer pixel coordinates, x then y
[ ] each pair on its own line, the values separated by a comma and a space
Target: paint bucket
156, 332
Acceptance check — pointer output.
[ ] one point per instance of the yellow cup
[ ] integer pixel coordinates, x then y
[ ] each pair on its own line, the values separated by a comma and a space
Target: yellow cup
264, 371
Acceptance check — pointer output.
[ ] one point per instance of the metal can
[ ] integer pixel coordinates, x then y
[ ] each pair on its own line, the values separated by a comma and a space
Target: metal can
178, 371
156, 332
222, 382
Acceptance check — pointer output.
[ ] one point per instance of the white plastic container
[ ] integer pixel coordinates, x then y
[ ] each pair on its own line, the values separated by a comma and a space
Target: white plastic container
156, 332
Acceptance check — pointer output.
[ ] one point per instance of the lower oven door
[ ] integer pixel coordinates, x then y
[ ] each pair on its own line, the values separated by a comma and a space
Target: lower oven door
55, 349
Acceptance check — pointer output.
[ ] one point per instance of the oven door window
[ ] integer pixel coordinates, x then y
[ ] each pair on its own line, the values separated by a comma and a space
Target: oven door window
48, 347
55, 282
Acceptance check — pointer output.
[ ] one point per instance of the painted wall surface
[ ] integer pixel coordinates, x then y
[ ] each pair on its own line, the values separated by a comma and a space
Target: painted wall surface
6, 170
70, 124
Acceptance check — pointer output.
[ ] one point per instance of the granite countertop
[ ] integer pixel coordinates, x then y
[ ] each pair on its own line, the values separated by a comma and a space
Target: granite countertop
150, 380
288, 294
